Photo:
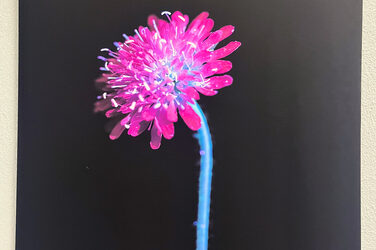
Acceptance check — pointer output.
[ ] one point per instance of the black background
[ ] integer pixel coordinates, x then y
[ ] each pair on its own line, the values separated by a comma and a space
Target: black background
286, 133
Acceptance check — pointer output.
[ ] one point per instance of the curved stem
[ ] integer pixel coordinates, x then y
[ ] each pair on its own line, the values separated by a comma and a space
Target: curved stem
206, 152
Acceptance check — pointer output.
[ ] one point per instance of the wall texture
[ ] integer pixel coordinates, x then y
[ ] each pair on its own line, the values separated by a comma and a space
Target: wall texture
8, 123
369, 126
8, 120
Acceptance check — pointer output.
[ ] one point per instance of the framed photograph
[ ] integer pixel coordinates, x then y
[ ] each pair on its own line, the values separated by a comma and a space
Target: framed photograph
172, 125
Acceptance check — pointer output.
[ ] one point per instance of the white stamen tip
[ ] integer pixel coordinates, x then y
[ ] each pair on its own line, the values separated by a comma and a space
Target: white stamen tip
182, 18
147, 87
141, 98
138, 34
166, 13
114, 103
133, 105
192, 44
157, 105
156, 28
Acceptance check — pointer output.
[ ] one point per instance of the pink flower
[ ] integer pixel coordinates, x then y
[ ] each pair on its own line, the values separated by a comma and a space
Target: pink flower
160, 70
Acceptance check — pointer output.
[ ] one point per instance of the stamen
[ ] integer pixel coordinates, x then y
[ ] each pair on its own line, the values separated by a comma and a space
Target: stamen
202, 78
147, 87
118, 86
157, 105
168, 14
130, 65
138, 34
202, 28
133, 105
141, 98
126, 37
116, 45
114, 103
185, 60
160, 42
192, 44
156, 28
173, 49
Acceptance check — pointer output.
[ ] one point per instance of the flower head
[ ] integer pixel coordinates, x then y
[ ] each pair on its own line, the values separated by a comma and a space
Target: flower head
157, 73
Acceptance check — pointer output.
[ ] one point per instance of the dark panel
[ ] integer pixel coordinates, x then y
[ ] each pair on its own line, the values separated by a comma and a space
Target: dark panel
286, 134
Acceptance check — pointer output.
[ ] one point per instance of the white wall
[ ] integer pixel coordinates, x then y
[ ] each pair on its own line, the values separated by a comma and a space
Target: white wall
369, 126
8, 120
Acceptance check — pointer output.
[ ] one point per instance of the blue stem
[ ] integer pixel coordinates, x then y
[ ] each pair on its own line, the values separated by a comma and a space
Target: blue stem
206, 152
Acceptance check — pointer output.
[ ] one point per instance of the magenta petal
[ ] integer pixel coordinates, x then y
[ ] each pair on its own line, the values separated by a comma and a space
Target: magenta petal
212, 40
202, 16
226, 50
166, 126
156, 136
202, 56
164, 28
171, 112
149, 113
226, 31
179, 19
136, 128
102, 105
152, 18
190, 117
207, 92
116, 131
218, 82
206, 27
192, 93
168, 131
126, 120
110, 113
194, 24
216, 67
